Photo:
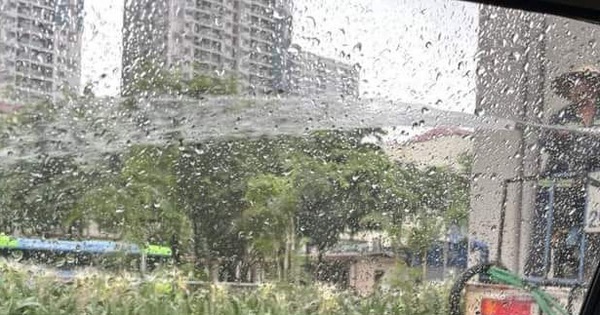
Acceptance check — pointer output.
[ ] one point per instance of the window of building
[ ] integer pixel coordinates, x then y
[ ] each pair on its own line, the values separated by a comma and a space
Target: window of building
559, 211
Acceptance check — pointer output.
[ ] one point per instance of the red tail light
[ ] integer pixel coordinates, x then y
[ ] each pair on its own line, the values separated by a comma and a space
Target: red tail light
510, 306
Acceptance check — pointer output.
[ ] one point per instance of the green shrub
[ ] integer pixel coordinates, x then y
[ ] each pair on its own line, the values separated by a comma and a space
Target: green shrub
28, 292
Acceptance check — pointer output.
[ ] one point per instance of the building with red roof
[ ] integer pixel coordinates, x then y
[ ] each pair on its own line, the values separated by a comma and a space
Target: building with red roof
439, 146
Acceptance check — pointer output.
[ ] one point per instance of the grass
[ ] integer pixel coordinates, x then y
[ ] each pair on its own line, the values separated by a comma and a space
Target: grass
25, 292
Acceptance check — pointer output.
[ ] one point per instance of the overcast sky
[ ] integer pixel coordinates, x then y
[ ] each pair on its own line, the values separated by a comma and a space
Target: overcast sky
411, 51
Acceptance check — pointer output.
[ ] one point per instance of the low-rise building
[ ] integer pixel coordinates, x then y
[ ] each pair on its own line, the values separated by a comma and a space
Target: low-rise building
440, 146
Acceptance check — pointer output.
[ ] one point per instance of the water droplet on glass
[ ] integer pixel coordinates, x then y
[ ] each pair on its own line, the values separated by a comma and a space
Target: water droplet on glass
516, 55
419, 123
592, 43
61, 261
515, 37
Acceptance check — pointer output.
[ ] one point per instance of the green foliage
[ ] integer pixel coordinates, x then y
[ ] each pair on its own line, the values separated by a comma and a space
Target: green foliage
242, 202
36, 294
270, 212
465, 160
140, 203
279, 189
202, 85
41, 197
433, 199
155, 80
233, 203
426, 229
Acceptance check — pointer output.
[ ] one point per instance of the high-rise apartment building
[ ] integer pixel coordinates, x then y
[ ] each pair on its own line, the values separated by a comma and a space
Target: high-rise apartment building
247, 39
40, 48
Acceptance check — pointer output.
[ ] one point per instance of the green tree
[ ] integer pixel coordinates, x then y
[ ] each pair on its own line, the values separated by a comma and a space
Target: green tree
331, 178
426, 229
211, 184
269, 220
140, 203
401, 201
39, 198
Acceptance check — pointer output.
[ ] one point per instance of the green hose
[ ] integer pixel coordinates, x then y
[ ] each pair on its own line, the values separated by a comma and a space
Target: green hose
548, 305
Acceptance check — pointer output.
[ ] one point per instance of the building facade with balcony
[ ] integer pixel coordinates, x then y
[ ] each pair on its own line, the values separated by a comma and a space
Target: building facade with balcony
249, 40
40, 48
245, 39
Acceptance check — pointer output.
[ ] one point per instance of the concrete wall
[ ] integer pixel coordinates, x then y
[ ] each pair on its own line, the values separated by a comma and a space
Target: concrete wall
509, 57
570, 44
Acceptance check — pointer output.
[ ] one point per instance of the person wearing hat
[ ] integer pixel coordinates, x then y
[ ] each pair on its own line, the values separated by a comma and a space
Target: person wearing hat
575, 153
581, 87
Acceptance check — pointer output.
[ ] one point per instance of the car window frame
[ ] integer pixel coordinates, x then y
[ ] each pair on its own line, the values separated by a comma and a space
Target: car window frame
582, 10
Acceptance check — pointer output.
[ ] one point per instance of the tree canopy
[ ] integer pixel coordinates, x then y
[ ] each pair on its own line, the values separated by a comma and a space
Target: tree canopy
229, 203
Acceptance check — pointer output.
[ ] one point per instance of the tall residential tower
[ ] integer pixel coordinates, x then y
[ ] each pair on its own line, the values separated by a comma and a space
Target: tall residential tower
242, 38
249, 40
40, 48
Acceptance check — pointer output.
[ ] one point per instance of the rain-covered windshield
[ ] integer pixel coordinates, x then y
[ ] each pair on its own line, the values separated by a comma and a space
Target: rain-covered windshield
296, 157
